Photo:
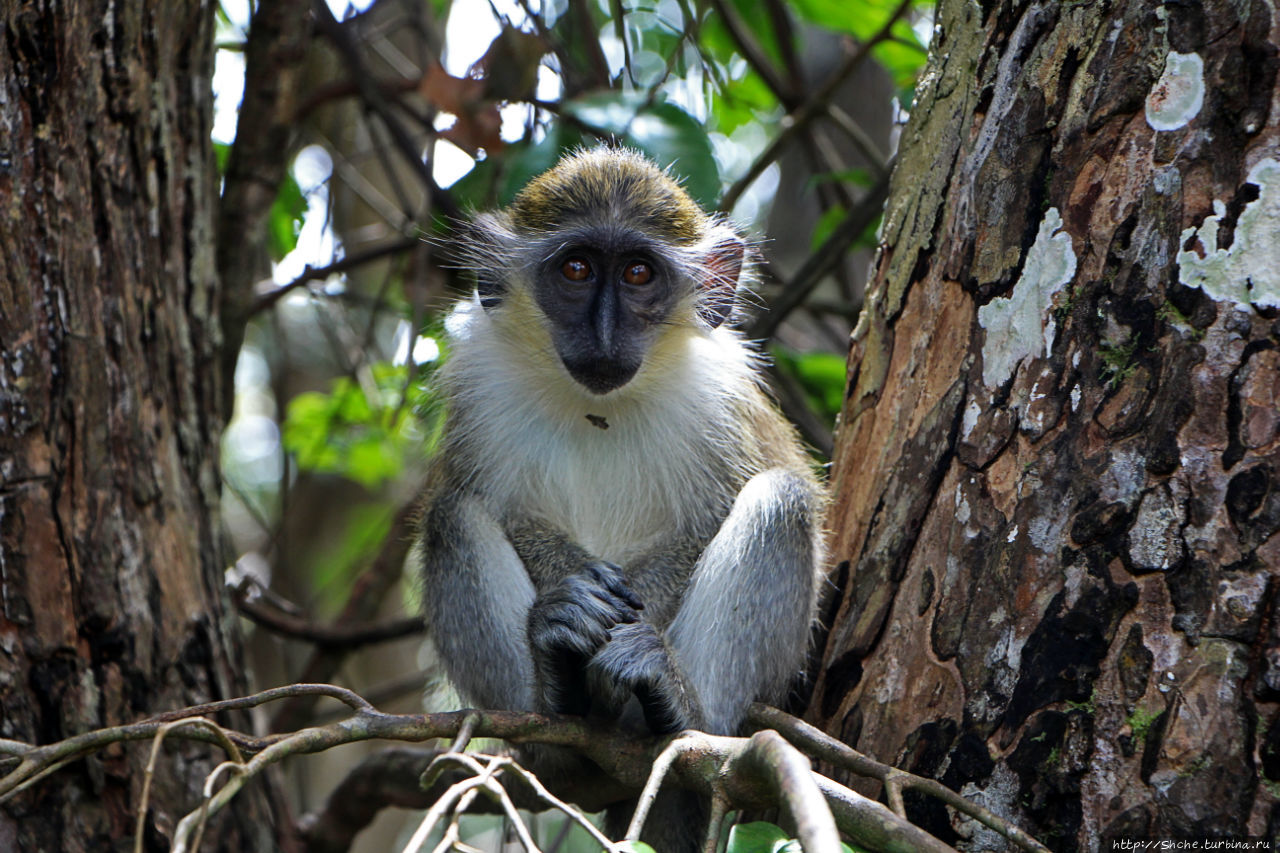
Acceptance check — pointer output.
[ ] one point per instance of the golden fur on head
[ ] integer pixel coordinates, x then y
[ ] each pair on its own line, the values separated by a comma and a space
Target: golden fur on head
610, 183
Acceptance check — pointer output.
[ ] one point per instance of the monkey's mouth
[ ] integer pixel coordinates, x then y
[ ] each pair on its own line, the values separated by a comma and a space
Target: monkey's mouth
601, 375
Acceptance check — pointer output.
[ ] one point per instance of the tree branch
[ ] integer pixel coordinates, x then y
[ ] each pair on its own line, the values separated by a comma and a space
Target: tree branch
762, 771
820, 262
342, 637
826, 748
271, 297
372, 96
796, 120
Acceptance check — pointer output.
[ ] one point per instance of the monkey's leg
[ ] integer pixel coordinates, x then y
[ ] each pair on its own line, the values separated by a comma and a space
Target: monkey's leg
477, 596
742, 630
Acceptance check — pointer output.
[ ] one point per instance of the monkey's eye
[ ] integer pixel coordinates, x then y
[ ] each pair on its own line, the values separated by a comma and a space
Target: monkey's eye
575, 269
638, 273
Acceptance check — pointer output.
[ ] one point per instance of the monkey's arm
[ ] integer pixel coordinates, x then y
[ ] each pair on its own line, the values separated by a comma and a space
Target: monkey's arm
580, 601
477, 596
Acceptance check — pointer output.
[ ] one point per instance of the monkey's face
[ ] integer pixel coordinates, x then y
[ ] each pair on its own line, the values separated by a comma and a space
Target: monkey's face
606, 294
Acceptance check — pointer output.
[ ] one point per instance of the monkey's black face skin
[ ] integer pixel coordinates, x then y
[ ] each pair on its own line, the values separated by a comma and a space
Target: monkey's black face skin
605, 293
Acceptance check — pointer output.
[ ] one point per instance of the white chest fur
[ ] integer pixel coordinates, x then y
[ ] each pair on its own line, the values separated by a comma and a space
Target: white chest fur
617, 472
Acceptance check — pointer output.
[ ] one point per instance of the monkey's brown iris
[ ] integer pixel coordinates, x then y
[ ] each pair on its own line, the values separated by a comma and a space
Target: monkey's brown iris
638, 273
576, 269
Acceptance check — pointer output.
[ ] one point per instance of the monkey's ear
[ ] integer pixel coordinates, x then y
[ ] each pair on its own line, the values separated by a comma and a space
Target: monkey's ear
721, 268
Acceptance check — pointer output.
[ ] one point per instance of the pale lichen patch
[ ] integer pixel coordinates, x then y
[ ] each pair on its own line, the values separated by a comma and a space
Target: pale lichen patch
1154, 539
1248, 272
1177, 96
1021, 325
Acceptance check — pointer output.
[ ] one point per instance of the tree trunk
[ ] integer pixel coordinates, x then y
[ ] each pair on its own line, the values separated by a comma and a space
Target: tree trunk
111, 556
1056, 472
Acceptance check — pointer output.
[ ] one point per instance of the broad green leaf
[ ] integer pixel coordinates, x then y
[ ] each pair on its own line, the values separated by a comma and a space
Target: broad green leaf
758, 837
742, 100
861, 18
764, 837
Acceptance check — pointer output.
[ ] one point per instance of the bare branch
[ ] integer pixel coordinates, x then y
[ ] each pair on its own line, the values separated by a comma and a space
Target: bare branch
826, 748
344, 637
792, 778
310, 274
818, 264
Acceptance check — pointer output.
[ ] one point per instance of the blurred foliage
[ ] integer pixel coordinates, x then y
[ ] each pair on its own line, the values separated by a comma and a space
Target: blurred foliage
819, 374
362, 431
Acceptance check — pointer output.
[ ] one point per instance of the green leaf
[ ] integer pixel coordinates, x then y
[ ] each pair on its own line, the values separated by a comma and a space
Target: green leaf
743, 100
763, 837
860, 18
365, 435
664, 131
827, 222
285, 219
221, 154
758, 837
636, 847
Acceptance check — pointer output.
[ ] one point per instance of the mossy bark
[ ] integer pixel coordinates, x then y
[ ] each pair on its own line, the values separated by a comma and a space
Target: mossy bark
1055, 523
111, 555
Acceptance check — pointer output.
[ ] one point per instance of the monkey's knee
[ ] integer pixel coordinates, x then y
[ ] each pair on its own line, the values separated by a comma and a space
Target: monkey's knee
782, 496
774, 523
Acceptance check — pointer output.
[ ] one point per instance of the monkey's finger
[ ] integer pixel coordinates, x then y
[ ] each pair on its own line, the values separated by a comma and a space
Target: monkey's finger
610, 577
597, 602
575, 638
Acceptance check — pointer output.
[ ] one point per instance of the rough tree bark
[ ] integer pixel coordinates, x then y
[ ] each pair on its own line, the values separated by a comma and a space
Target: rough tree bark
111, 558
1056, 474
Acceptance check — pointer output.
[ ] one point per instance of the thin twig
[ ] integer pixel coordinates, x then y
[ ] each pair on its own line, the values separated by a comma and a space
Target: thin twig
792, 779
465, 732
310, 274
660, 767
149, 774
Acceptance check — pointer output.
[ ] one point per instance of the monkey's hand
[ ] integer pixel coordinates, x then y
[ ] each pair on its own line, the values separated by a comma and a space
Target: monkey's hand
636, 660
568, 623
